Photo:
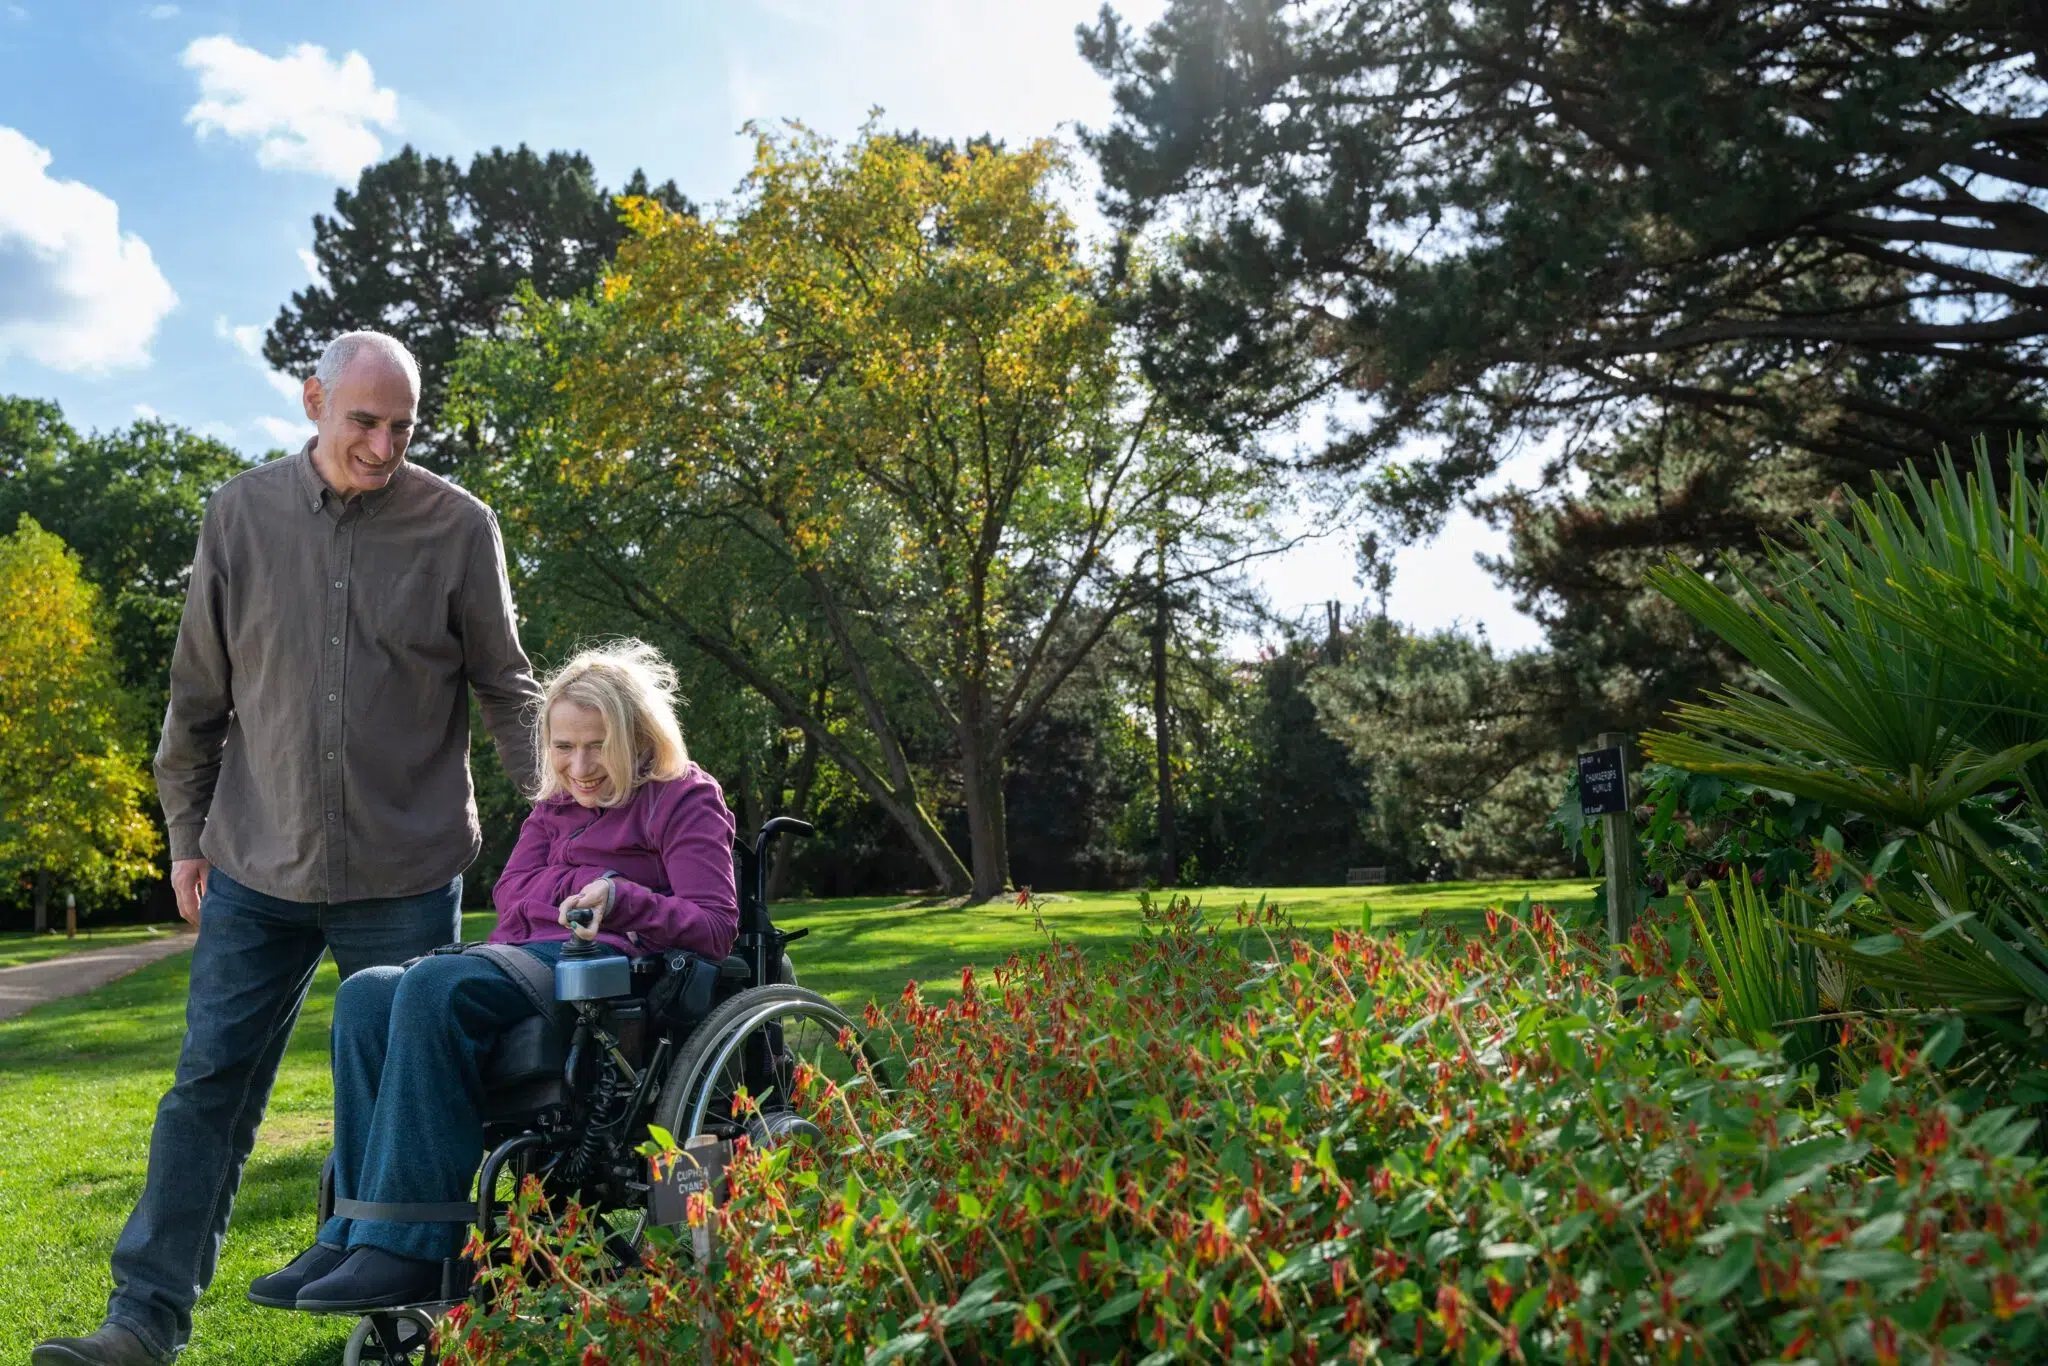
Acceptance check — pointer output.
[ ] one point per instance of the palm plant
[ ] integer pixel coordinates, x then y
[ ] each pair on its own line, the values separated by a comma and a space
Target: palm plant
1769, 982
1900, 670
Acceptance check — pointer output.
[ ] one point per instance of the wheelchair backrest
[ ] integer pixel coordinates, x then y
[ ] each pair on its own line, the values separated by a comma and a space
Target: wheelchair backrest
758, 943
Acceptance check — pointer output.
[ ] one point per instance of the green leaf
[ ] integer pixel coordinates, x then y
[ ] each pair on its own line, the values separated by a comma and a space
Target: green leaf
1943, 1043
1713, 1282
1873, 1264
1494, 1252
1878, 945
1117, 1307
970, 1206
897, 1348
1880, 1230
666, 1139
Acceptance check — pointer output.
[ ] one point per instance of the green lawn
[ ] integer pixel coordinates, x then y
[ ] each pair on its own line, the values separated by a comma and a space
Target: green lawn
79, 1081
18, 947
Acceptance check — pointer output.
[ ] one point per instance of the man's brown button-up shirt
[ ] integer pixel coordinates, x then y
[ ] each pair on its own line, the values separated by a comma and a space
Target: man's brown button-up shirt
317, 742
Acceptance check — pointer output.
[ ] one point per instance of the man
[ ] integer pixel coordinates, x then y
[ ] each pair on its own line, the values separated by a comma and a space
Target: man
314, 773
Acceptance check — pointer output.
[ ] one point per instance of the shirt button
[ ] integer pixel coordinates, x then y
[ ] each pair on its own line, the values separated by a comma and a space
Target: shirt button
337, 583
330, 815
330, 697
334, 640
330, 754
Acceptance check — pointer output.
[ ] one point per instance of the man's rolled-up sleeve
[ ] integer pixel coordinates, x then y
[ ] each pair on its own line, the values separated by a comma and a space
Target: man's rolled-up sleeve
493, 662
202, 699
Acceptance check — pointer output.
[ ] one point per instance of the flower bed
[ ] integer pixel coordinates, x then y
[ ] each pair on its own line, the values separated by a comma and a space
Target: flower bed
1243, 1144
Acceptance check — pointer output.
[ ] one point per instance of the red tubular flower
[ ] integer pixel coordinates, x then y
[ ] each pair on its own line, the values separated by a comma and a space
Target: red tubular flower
1450, 1308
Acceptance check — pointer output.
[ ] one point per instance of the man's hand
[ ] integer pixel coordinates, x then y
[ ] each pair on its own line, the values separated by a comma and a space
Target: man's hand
188, 883
595, 897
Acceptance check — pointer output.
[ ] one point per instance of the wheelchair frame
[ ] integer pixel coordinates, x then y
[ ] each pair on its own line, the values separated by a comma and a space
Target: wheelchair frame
594, 1059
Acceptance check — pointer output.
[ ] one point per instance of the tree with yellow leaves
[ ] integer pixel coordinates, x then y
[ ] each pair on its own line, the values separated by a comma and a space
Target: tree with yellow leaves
880, 404
73, 781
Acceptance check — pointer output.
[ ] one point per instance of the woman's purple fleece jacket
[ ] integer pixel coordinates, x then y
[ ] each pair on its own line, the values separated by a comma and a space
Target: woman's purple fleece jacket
670, 844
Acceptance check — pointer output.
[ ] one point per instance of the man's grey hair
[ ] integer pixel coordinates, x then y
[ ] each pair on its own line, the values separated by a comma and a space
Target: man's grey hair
346, 347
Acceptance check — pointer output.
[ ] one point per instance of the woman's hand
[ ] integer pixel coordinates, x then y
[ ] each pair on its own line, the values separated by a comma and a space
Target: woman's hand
595, 897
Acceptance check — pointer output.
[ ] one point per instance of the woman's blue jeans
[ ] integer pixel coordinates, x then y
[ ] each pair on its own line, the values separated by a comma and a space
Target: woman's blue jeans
409, 1048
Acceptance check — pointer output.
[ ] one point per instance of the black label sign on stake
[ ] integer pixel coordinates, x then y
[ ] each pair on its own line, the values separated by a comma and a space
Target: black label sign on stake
692, 1171
1603, 787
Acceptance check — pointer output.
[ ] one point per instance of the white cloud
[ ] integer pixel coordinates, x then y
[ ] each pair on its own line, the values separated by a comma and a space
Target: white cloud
312, 265
248, 339
304, 111
163, 11
145, 412
283, 432
76, 293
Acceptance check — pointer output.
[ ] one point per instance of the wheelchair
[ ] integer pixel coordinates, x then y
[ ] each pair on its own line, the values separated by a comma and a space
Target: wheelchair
569, 1100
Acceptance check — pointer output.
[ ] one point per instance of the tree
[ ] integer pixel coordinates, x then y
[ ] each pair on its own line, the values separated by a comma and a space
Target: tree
1465, 748
73, 782
128, 505
1726, 257
876, 416
435, 255
1813, 219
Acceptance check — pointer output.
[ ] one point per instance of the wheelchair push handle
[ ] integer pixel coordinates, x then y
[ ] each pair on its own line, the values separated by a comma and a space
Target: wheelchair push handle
781, 825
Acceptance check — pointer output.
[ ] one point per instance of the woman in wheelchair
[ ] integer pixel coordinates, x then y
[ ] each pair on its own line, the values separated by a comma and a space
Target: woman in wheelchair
623, 826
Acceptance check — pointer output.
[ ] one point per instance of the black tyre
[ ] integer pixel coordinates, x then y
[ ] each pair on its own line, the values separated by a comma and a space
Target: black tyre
754, 1041
414, 1329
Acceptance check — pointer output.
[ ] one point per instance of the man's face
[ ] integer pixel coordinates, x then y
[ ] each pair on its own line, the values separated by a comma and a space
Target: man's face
364, 423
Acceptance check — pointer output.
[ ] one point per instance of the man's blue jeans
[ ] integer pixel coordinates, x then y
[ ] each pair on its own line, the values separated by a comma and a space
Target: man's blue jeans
250, 970
408, 1091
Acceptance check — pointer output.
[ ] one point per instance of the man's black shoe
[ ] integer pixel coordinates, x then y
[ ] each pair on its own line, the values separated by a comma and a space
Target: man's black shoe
280, 1289
372, 1278
110, 1345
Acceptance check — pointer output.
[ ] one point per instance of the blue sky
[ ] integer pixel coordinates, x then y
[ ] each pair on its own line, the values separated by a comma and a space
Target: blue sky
160, 165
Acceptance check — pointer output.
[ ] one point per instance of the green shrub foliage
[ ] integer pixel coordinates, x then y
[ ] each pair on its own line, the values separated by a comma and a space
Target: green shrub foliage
1240, 1144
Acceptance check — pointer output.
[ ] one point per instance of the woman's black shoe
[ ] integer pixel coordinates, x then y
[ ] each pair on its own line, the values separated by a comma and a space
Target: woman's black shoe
280, 1289
372, 1278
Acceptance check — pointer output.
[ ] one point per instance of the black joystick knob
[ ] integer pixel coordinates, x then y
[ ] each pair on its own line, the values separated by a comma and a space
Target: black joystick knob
581, 918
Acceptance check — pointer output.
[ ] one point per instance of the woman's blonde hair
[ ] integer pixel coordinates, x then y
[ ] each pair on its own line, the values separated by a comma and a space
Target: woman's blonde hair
633, 688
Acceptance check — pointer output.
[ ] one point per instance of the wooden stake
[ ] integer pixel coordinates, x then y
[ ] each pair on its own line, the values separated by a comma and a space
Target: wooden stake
1618, 840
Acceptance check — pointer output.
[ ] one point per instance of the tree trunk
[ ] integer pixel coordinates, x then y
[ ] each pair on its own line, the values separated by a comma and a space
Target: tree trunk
1162, 741
782, 871
987, 831
898, 797
42, 900
748, 817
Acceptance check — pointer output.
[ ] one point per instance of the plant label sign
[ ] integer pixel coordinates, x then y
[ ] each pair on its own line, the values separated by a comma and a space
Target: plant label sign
674, 1180
1603, 788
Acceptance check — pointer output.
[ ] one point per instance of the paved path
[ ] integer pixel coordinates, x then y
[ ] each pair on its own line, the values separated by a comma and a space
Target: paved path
32, 984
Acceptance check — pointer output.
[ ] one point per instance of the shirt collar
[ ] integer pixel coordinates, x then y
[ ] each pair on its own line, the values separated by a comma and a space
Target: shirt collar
316, 492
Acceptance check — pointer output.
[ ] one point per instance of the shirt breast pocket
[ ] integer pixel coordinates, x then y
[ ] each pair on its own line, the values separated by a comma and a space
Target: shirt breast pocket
410, 613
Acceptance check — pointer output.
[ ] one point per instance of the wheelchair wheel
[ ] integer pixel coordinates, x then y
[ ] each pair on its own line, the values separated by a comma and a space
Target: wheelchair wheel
754, 1041
410, 1331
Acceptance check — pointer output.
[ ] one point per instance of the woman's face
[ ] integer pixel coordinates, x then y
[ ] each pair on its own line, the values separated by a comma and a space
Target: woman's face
576, 749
